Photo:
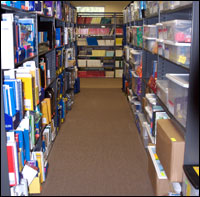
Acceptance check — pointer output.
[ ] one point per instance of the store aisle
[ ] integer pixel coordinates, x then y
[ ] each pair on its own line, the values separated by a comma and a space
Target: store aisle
98, 150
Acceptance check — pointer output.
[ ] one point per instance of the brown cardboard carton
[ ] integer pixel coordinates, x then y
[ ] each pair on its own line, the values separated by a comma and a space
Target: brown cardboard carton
160, 186
170, 146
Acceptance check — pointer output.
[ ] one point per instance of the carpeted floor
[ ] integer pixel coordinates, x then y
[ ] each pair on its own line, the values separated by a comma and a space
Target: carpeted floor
98, 150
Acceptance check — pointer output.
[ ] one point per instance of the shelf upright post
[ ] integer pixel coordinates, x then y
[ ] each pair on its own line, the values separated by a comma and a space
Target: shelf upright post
192, 125
5, 190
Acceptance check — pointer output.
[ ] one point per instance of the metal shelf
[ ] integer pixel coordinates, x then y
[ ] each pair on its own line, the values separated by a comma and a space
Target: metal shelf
27, 59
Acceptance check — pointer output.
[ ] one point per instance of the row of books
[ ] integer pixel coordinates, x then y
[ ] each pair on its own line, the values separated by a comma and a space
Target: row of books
42, 37
23, 40
49, 8
24, 165
98, 31
99, 20
64, 37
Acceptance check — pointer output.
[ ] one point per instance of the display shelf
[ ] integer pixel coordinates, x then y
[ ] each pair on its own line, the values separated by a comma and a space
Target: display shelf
44, 52
176, 9
180, 65
25, 60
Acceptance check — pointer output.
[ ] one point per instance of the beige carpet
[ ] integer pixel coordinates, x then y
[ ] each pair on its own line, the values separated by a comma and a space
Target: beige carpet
98, 151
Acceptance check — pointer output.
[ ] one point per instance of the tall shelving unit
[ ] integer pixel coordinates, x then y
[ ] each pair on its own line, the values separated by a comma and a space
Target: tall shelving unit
112, 27
41, 23
191, 131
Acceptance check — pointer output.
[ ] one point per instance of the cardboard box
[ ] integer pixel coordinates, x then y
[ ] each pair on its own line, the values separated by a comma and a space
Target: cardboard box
170, 147
159, 183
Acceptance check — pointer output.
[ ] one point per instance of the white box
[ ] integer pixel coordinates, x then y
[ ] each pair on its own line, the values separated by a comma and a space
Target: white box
178, 96
177, 52
118, 73
82, 63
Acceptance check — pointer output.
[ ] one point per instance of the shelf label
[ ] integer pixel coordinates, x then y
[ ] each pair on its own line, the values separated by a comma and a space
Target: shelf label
173, 139
156, 156
182, 59
196, 169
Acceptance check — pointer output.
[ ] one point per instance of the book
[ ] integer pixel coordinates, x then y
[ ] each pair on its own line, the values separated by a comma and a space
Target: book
38, 155
43, 72
5, 99
21, 151
7, 44
58, 36
48, 100
92, 41
24, 127
13, 167
44, 110
11, 101
29, 99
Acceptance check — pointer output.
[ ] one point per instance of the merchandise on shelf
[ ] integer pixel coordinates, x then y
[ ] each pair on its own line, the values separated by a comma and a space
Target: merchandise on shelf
162, 90
178, 30
190, 183
152, 8
177, 52
178, 96
160, 47
150, 44
150, 31
136, 56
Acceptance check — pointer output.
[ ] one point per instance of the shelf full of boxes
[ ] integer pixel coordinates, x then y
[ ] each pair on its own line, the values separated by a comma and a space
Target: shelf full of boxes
159, 64
39, 49
99, 42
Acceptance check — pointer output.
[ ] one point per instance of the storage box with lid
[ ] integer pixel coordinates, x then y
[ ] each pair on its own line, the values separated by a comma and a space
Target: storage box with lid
152, 8
81, 42
160, 46
98, 53
101, 42
150, 44
94, 63
178, 85
177, 52
162, 90
118, 53
150, 31
118, 73
126, 52
178, 30
160, 30
136, 83
190, 183
82, 63
136, 56
109, 74
109, 53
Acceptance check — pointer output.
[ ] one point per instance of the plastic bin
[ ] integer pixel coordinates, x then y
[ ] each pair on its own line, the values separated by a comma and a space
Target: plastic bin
178, 30
190, 184
178, 96
135, 56
177, 52
150, 31
162, 90
150, 43
160, 30
160, 46
81, 63
152, 8
126, 52
137, 33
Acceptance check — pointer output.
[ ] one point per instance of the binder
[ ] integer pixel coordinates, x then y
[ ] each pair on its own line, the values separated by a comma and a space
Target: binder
48, 100
27, 81
12, 159
44, 110
5, 99
11, 101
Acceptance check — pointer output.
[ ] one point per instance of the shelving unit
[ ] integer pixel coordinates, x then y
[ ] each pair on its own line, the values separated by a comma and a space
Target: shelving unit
112, 28
41, 23
191, 131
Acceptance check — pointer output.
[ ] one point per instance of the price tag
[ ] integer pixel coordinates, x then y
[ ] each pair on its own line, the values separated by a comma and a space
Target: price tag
162, 174
196, 169
173, 139
182, 59
156, 156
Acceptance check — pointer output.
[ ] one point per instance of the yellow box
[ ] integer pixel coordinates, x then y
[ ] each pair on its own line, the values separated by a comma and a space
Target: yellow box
35, 186
119, 53
98, 53
119, 41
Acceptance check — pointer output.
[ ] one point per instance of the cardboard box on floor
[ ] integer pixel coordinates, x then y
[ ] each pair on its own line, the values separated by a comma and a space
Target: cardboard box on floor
170, 147
160, 185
